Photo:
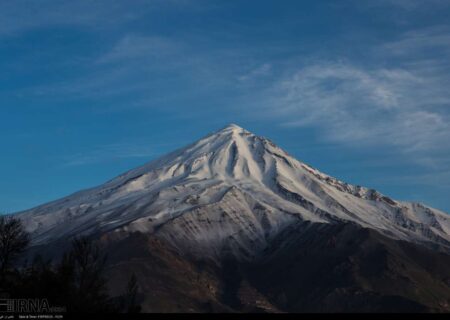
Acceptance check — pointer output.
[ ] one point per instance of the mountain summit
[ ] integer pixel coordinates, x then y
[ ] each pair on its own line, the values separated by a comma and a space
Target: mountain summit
234, 223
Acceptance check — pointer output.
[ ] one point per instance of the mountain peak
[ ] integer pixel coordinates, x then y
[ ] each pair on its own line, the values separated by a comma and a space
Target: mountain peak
237, 172
233, 127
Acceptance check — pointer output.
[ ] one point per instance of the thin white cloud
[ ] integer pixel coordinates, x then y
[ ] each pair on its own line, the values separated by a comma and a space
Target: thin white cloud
428, 41
404, 4
136, 48
22, 15
352, 105
260, 71
147, 67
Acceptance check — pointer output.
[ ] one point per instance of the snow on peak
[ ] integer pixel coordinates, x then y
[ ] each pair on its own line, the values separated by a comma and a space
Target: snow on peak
234, 126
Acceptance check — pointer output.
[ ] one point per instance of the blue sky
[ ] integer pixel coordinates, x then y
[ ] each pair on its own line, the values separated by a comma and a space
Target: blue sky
90, 89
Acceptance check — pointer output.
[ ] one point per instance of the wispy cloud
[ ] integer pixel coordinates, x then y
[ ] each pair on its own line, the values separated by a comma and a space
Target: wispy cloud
427, 41
145, 70
404, 4
23, 15
259, 71
355, 105
136, 48
133, 65
20, 15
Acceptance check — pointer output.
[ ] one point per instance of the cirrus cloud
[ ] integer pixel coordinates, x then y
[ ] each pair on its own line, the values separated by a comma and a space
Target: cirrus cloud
348, 104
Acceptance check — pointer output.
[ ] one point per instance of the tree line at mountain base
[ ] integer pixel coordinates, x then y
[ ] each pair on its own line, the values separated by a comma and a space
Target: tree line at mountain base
76, 282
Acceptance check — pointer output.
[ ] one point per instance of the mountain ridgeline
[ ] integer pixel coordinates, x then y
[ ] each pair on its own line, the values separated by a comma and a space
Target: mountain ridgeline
234, 223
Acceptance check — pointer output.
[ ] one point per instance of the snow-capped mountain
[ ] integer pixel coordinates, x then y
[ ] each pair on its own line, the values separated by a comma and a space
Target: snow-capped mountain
231, 192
